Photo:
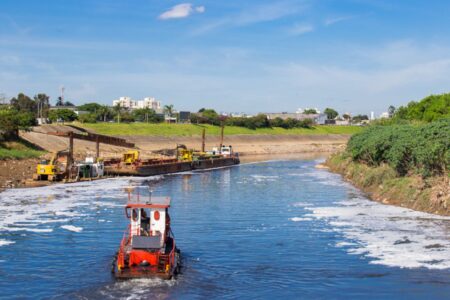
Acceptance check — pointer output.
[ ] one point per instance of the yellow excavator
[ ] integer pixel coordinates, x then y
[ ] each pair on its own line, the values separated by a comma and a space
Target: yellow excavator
183, 154
130, 157
53, 169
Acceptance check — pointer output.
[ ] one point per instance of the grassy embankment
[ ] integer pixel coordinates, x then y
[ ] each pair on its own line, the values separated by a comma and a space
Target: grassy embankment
196, 130
404, 165
18, 150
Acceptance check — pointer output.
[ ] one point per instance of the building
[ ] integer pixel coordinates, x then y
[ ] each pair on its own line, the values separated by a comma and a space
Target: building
184, 117
148, 102
384, 115
125, 102
317, 118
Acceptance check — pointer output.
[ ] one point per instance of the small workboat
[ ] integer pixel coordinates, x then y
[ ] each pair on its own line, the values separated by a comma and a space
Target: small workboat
148, 246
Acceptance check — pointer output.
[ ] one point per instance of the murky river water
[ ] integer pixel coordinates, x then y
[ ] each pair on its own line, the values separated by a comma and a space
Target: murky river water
263, 230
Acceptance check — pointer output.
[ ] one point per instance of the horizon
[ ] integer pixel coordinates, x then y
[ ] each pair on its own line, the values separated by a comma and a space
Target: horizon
258, 56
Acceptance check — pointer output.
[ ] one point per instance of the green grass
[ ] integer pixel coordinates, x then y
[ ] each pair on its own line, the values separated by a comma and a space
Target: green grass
18, 150
196, 130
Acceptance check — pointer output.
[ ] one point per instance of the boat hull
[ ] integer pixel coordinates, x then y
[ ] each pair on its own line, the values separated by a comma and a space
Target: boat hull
146, 272
170, 168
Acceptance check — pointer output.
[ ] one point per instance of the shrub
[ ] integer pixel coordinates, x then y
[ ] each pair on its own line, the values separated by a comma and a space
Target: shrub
424, 149
88, 118
64, 114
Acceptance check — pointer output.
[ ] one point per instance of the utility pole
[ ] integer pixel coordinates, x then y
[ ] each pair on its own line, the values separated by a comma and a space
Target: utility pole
62, 94
203, 139
221, 136
70, 156
97, 149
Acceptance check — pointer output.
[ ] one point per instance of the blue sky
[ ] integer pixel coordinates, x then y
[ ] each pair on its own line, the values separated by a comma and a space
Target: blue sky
237, 56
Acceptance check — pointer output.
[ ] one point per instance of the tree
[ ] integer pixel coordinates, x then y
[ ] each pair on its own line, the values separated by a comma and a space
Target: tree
62, 114
168, 109
391, 111
277, 122
346, 116
331, 113
429, 109
90, 107
43, 105
104, 112
59, 102
146, 115
310, 111
24, 103
126, 117
117, 109
12, 120
359, 118
88, 118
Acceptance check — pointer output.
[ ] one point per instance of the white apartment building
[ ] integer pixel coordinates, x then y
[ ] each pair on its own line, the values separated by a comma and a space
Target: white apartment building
125, 102
148, 102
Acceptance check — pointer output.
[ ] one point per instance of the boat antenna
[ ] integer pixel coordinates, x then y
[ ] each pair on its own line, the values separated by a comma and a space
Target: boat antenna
150, 190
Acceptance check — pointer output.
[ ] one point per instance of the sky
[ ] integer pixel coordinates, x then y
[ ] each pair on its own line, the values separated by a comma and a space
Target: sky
249, 56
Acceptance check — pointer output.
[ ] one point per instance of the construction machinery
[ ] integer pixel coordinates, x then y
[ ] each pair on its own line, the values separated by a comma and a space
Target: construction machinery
183, 153
130, 157
53, 169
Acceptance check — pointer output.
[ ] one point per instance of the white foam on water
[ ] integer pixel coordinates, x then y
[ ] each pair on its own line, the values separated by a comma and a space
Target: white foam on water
72, 228
137, 288
264, 178
299, 219
27, 209
324, 177
389, 235
301, 204
5, 242
30, 229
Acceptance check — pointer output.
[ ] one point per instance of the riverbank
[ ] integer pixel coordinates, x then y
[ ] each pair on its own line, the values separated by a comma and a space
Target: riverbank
266, 145
192, 130
384, 185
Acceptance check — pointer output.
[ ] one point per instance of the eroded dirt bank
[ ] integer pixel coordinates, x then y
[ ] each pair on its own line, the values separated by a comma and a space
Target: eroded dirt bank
382, 184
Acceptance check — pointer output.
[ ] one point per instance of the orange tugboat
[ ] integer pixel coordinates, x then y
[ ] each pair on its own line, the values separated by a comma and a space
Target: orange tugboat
148, 247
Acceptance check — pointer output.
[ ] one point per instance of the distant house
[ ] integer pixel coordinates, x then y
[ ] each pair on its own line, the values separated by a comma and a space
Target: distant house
384, 115
184, 117
170, 119
342, 122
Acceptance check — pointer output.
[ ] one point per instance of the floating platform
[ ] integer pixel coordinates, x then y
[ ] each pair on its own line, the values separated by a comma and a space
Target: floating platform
169, 167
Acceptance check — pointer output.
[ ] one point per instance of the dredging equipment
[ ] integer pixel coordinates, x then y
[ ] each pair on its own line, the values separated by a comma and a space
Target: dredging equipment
148, 246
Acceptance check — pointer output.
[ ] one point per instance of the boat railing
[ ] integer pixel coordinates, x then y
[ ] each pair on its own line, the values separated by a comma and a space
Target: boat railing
123, 243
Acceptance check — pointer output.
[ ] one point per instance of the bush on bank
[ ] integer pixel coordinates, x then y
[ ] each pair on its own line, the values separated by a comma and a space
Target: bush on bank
422, 149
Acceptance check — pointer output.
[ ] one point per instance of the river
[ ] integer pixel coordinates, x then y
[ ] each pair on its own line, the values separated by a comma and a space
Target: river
269, 229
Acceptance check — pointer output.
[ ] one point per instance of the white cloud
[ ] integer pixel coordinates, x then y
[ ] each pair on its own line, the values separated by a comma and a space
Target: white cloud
200, 9
255, 14
331, 21
180, 11
299, 29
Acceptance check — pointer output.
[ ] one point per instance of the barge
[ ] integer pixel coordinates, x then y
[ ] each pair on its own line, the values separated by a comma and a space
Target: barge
186, 160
